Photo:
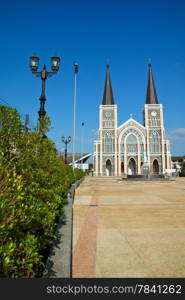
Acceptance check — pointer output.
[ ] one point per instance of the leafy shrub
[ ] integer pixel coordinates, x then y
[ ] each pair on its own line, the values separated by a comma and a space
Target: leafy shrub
78, 173
182, 173
33, 186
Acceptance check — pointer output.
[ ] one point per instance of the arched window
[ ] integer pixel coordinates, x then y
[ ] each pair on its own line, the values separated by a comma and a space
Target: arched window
155, 142
154, 121
132, 144
108, 142
132, 141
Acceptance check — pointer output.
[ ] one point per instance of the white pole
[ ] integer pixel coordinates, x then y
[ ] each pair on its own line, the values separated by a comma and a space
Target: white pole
81, 148
74, 117
82, 125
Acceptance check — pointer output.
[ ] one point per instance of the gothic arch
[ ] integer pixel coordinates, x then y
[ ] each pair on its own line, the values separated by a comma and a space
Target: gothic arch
135, 131
131, 129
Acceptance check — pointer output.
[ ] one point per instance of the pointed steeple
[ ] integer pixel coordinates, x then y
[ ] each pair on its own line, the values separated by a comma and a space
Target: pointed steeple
108, 98
151, 96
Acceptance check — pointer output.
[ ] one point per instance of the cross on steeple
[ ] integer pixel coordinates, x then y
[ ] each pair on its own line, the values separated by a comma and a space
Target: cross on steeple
107, 64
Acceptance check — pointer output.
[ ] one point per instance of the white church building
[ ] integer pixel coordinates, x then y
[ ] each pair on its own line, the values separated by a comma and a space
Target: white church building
132, 148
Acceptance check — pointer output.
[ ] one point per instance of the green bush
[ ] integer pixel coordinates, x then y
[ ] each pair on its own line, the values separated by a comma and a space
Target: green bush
182, 173
78, 173
33, 186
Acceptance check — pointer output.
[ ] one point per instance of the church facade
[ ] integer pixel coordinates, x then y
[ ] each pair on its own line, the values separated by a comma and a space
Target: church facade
131, 148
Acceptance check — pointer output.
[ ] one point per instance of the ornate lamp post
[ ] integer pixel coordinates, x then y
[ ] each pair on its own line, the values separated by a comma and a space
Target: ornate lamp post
66, 141
44, 74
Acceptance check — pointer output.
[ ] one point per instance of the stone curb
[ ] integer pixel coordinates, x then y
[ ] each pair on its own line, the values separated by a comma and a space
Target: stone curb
59, 262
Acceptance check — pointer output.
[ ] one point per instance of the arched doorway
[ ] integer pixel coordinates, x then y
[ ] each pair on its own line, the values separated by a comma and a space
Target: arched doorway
155, 167
132, 167
108, 167
122, 167
141, 167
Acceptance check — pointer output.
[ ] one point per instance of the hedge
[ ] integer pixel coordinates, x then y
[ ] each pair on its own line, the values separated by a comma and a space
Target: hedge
33, 186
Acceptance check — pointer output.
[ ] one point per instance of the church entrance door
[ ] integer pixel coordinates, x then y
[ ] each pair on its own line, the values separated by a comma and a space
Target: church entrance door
155, 167
108, 167
122, 167
132, 167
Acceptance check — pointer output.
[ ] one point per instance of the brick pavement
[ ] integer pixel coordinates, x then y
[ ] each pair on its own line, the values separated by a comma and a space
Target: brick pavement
129, 229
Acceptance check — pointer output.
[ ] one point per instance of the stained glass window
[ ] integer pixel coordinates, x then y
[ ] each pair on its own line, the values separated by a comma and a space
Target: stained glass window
132, 144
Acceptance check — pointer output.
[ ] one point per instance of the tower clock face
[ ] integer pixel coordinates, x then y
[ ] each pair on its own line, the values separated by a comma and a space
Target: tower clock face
108, 114
153, 114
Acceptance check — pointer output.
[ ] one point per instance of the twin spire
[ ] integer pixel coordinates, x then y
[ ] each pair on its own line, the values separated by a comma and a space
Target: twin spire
108, 98
151, 96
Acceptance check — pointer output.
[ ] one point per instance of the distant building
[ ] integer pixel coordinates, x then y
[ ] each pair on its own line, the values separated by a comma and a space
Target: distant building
80, 160
131, 148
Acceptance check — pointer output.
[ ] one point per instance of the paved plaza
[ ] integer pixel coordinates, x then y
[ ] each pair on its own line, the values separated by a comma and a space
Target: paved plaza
129, 229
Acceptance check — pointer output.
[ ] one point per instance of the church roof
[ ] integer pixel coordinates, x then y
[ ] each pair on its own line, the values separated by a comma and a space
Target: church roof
131, 122
151, 96
108, 98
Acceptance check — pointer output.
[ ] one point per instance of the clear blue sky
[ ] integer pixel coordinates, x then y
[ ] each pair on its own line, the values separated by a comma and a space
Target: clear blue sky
124, 31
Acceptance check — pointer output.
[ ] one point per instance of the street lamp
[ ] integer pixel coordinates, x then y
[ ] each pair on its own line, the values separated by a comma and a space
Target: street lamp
44, 74
66, 141
76, 67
